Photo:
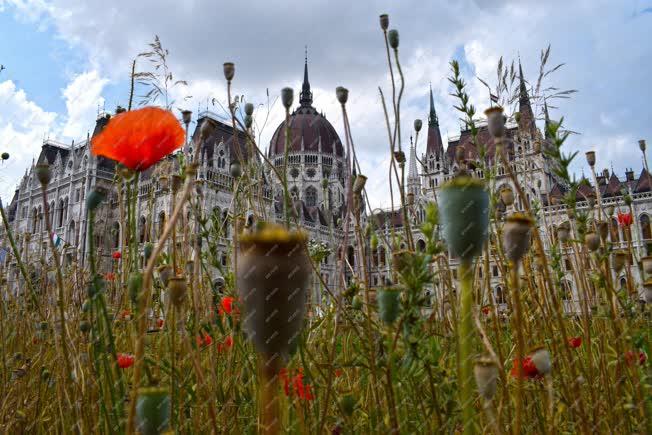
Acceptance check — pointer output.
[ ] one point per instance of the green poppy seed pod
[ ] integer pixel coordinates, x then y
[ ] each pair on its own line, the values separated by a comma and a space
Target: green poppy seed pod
152, 411
392, 36
464, 208
592, 241
516, 236
229, 70
273, 279
324, 183
248, 121
590, 158
356, 303
495, 121
287, 97
359, 183
619, 260
417, 125
249, 109
628, 200
186, 116
389, 304
485, 371
84, 326
603, 230
95, 198
399, 156
135, 285
507, 195
610, 210
374, 241
147, 250
165, 272
647, 291
43, 174
517, 116
45, 375
541, 359
348, 404
384, 21
642, 145
177, 290
5, 156
342, 94
646, 264
235, 169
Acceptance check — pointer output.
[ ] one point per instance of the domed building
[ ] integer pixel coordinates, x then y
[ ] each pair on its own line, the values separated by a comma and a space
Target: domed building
315, 162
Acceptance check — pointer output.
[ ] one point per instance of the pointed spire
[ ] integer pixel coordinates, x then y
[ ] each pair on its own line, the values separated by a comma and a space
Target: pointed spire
526, 116
432, 117
523, 96
413, 173
306, 95
547, 120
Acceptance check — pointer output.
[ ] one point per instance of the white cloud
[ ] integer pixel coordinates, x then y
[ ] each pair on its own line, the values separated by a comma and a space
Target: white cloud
82, 95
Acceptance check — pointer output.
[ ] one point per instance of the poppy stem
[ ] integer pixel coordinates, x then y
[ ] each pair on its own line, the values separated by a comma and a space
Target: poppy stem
465, 339
520, 345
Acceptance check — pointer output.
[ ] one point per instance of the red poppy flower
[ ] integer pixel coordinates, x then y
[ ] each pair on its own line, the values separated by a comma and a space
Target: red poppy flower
205, 340
283, 374
529, 369
109, 276
575, 341
625, 219
125, 360
338, 372
226, 305
630, 357
139, 138
125, 315
116, 255
159, 323
486, 310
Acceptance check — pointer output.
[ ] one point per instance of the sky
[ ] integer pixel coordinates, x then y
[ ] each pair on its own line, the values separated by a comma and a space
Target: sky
65, 60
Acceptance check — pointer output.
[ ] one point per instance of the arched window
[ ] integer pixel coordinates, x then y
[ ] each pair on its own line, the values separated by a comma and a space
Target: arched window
72, 236
382, 260
421, 245
34, 220
311, 196
351, 256
60, 221
115, 232
646, 231
500, 296
615, 236
142, 229
566, 290
161, 223
294, 193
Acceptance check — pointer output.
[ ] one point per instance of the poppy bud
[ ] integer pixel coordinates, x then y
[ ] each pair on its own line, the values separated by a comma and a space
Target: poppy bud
186, 116
619, 259
384, 21
177, 288
134, 285
235, 169
516, 236
399, 156
273, 279
486, 374
495, 121
229, 71
392, 36
388, 304
541, 359
152, 410
342, 94
592, 241
248, 121
563, 232
165, 272
348, 403
287, 97
95, 198
43, 174
249, 109
359, 183
417, 125
507, 195
5, 156
641, 144
590, 158
464, 205
356, 303
628, 200
647, 291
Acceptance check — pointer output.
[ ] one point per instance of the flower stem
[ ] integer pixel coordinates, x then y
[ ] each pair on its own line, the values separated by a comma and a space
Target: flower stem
520, 345
465, 338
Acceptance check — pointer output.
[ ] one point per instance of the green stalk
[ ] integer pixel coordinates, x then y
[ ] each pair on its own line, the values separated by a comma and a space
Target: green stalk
465, 339
520, 345
286, 193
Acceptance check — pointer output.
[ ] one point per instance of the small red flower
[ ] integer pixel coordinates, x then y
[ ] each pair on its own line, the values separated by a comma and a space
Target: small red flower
529, 369
338, 372
486, 310
159, 323
205, 340
625, 219
116, 255
226, 305
139, 138
109, 276
283, 374
125, 315
630, 358
575, 341
125, 360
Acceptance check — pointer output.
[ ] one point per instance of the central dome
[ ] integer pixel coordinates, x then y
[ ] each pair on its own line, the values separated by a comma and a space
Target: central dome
310, 131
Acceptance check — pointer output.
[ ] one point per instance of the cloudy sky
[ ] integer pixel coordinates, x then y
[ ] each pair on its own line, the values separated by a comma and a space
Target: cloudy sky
64, 59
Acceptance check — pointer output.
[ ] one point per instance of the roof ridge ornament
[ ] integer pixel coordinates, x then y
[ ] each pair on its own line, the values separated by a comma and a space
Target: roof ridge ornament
305, 98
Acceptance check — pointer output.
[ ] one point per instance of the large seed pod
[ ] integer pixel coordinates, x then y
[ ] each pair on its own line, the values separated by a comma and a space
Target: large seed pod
229, 70
563, 232
152, 410
495, 121
590, 158
541, 359
464, 207
43, 174
177, 290
619, 260
592, 241
486, 375
646, 264
516, 236
507, 195
165, 272
273, 278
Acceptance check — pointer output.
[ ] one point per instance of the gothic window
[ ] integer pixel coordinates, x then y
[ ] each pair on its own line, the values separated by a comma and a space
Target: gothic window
116, 234
311, 196
615, 237
646, 231
421, 245
382, 256
71, 232
142, 229
60, 221
351, 256
566, 290
294, 193
500, 296
161, 223
77, 195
